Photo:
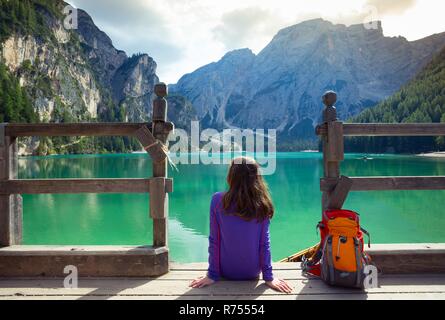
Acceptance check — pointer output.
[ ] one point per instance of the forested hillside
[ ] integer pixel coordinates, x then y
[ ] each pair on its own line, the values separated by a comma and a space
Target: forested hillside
422, 100
21, 16
15, 105
18, 17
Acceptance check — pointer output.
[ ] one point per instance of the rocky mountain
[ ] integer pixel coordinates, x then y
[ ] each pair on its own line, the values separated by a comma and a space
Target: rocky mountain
51, 74
71, 75
281, 86
131, 80
421, 100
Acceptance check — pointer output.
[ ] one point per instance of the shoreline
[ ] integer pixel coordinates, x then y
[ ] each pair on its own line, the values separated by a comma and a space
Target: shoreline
440, 154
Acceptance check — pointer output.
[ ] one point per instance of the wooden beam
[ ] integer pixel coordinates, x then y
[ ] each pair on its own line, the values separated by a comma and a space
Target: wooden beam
158, 198
72, 129
388, 183
91, 261
11, 215
338, 196
335, 143
387, 129
54, 186
153, 146
159, 168
408, 258
159, 109
5, 218
394, 129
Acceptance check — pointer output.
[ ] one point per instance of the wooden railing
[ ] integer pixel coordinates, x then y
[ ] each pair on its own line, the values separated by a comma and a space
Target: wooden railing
335, 187
153, 138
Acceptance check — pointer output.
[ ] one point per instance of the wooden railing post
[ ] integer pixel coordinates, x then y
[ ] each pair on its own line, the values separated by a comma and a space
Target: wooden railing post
333, 152
10, 205
159, 119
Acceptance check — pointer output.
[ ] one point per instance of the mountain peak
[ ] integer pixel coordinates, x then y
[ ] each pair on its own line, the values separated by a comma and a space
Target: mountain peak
90, 33
375, 26
315, 21
312, 25
319, 25
238, 53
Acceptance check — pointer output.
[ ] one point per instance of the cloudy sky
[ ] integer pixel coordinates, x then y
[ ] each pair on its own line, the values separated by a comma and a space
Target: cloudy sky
182, 35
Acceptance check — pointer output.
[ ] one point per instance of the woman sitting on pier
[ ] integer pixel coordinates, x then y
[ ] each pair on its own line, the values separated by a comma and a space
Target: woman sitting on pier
239, 245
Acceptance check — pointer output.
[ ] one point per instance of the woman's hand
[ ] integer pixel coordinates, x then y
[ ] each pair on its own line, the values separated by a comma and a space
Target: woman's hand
202, 282
279, 285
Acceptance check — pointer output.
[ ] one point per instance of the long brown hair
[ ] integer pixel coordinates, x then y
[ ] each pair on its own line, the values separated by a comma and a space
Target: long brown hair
248, 196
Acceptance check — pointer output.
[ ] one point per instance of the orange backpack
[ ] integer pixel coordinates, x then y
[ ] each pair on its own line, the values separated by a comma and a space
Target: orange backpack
340, 258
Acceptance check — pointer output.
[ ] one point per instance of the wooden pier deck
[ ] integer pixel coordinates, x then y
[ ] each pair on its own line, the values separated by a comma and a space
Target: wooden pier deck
174, 285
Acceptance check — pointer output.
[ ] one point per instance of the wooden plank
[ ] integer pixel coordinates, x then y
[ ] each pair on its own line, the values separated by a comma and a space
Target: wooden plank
11, 219
55, 250
17, 219
400, 248
149, 287
357, 296
16, 201
158, 198
150, 144
335, 142
327, 296
43, 186
168, 185
159, 166
160, 229
5, 218
193, 274
189, 275
73, 129
104, 261
409, 258
159, 109
202, 266
145, 136
394, 129
338, 197
388, 183
332, 155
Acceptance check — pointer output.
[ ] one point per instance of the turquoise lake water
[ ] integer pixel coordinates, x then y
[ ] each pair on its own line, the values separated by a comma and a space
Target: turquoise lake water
84, 219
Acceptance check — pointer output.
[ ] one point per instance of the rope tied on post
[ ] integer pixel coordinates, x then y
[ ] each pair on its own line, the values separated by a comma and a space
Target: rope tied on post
151, 145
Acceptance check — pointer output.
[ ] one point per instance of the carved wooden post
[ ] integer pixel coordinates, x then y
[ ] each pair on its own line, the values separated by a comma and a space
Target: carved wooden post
10, 205
158, 195
333, 149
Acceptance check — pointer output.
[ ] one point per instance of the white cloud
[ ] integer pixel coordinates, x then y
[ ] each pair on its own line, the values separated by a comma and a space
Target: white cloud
182, 35
248, 27
393, 6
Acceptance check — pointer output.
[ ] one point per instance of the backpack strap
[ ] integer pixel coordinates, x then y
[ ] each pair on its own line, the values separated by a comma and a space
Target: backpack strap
369, 236
319, 225
358, 261
329, 258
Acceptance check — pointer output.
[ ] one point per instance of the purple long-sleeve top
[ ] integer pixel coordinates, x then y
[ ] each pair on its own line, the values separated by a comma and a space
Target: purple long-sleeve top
238, 249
